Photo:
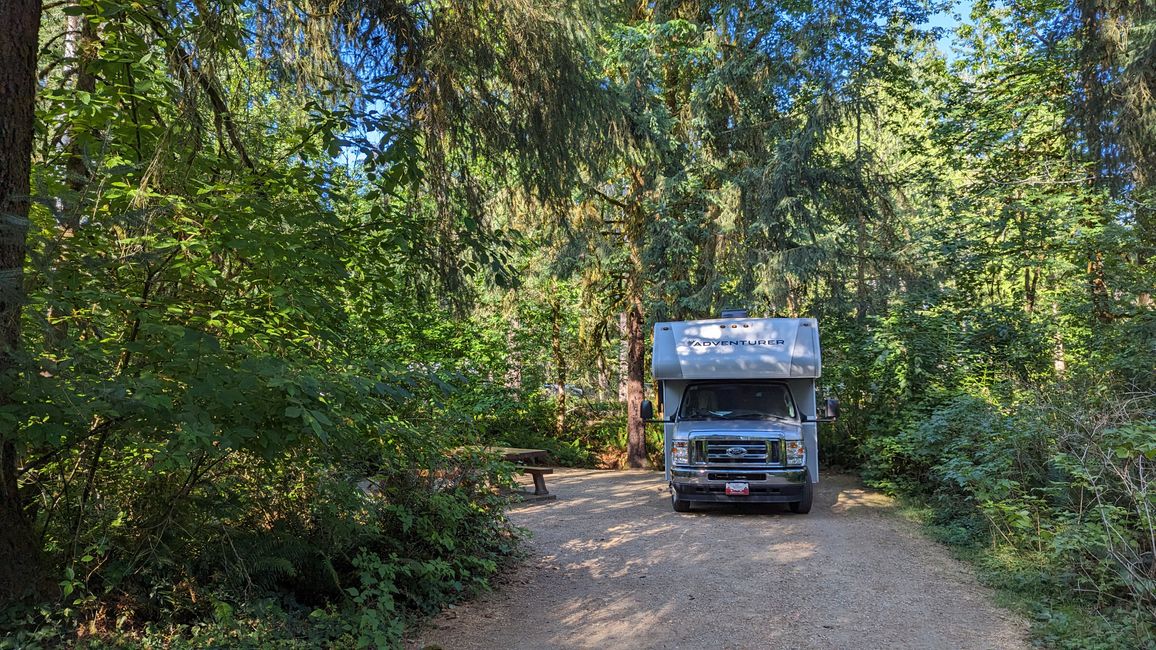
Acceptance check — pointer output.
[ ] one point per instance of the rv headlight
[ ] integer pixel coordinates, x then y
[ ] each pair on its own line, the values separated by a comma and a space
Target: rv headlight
680, 453
796, 453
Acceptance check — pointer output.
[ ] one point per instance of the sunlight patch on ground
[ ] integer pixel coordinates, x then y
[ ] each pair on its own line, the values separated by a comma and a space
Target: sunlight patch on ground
858, 498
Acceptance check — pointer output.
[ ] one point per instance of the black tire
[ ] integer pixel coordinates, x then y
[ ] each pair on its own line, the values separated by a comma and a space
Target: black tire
679, 505
803, 506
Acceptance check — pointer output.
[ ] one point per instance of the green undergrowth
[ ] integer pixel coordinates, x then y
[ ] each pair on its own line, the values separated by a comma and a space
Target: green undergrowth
1042, 478
342, 542
417, 550
1036, 586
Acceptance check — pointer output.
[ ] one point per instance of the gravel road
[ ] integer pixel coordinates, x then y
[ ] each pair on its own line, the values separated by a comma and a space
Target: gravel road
612, 566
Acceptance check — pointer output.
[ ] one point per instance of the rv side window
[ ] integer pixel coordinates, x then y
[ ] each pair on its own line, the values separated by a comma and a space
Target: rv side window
737, 401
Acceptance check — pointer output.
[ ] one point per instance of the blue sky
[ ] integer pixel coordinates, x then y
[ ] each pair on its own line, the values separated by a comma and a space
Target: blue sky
949, 19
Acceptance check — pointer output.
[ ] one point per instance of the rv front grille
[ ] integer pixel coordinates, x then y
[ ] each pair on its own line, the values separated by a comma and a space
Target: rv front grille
736, 476
719, 451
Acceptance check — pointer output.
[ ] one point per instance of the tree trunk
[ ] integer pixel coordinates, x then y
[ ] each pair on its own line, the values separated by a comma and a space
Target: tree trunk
861, 268
1031, 280
860, 223
635, 350
635, 391
513, 355
1059, 357
603, 376
1098, 287
82, 45
559, 362
21, 563
622, 356
792, 300
635, 231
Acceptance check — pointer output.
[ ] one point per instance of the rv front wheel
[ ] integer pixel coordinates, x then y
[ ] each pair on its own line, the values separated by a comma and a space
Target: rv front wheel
678, 504
803, 506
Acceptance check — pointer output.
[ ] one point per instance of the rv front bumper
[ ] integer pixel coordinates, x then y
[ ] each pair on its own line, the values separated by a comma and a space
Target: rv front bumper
707, 485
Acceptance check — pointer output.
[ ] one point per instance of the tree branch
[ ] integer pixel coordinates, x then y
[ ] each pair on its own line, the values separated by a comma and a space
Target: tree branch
192, 72
610, 199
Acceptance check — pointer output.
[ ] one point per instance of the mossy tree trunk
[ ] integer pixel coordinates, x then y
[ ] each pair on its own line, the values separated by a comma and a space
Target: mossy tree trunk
21, 566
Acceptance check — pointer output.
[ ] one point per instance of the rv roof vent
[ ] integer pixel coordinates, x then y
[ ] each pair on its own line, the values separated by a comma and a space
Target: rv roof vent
734, 313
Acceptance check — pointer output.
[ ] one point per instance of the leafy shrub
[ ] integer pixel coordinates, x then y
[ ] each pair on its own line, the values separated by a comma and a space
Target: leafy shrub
1053, 489
190, 534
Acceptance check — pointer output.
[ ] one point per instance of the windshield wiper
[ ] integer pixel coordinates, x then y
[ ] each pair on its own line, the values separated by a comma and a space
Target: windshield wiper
756, 415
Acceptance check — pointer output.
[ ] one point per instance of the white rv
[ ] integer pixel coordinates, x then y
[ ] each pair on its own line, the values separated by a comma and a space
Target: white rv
740, 417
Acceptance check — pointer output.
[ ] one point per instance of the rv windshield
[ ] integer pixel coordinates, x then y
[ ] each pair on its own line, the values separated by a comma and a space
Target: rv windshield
737, 401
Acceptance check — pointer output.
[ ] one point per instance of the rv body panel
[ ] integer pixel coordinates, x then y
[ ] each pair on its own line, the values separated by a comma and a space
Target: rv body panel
750, 348
721, 391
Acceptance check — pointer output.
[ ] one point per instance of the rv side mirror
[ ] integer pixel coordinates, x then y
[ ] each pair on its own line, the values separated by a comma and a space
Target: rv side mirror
832, 408
646, 410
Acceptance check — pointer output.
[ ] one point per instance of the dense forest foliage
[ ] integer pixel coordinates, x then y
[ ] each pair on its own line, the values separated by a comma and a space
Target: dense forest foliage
269, 269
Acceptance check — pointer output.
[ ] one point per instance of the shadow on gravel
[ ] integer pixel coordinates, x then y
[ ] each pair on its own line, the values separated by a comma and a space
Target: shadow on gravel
727, 510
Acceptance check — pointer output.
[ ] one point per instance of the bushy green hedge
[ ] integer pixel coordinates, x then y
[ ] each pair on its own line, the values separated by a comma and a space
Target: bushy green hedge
1052, 491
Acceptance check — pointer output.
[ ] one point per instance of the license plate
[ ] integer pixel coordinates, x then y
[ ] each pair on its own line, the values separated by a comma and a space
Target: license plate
738, 489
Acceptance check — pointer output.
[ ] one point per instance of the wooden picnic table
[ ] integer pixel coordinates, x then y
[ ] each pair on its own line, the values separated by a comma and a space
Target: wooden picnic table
517, 455
522, 456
